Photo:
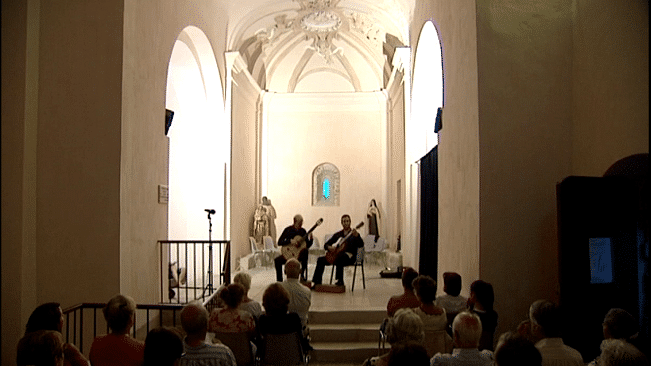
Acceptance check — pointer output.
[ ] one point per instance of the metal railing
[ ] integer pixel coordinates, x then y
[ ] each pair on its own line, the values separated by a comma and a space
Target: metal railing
197, 259
84, 322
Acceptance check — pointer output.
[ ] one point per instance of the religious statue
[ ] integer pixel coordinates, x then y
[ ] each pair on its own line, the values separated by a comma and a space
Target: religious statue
259, 225
263, 222
271, 216
374, 222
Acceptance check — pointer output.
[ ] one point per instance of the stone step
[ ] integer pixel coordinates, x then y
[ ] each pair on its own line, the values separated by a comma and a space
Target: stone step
343, 352
344, 332
347, 317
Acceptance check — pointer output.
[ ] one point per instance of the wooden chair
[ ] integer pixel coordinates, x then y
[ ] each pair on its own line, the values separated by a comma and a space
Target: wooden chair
282, 350
240, 345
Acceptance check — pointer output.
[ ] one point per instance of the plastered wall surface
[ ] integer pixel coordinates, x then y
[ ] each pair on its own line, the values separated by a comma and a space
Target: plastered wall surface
150, 30
245, 102
524, 60
611, 84
302, 138
458, 150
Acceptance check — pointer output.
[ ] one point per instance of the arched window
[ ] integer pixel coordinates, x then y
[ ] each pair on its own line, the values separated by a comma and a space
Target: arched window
325, 185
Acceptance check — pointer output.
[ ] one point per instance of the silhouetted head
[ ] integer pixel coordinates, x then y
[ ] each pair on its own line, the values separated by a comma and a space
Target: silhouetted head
275, 299
408, 276
515, 350
232, 295
163, 346
48, 316
119, 312
452, 283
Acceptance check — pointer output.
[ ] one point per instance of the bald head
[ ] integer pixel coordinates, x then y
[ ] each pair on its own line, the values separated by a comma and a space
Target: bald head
293, 268
194, 319
466, 329
298, 221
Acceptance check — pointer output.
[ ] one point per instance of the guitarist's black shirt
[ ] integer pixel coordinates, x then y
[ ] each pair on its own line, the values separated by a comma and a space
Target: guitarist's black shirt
290, 232
352, 243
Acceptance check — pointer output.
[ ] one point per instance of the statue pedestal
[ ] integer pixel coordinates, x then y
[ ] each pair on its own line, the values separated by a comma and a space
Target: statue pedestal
394, 259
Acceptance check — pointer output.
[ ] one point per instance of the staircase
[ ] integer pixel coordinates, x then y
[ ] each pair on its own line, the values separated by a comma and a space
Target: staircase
344, 337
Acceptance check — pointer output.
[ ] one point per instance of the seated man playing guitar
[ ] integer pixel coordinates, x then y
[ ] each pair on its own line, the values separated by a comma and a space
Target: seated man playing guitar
294, 242
342, 254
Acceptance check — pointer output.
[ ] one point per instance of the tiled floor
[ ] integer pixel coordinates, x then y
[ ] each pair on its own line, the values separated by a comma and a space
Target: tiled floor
374, 297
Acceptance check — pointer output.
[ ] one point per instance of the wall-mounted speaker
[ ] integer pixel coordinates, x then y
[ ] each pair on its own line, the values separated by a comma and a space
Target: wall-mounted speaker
168, 120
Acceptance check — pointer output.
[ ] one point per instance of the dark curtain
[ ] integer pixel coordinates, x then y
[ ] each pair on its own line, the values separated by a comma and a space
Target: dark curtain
429, 211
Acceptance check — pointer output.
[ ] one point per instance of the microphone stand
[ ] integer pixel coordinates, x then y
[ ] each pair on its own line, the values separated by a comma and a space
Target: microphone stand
209, 287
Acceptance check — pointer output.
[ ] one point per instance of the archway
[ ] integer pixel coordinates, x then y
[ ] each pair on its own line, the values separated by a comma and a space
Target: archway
199, 142
420, 138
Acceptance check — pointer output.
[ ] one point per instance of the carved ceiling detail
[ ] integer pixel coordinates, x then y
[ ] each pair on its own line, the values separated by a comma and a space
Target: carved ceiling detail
281, 55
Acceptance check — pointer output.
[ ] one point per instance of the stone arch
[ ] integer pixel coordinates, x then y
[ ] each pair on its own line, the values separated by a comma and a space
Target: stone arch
325, 185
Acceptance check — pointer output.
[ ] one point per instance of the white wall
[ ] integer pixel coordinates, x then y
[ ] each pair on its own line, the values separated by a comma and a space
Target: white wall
305, 130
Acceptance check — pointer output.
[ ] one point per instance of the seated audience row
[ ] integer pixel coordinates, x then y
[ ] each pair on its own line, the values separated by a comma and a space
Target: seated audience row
405, 326
49, 317
419, 293
466, 333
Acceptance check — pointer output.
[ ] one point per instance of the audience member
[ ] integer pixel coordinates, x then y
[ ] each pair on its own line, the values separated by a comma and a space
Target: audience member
466, 332
40, 348
231, 319
405, 326
481, 303
300, 297
452, 301
546, 325
194, 320
163, 347
247, 304
433, 316
277, 319
408, 298
118, 347
619, 324
617, 352
408, 353
49, 316
514, 349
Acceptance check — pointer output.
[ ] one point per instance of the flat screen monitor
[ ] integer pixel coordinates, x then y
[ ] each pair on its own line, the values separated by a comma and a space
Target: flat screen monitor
601, 260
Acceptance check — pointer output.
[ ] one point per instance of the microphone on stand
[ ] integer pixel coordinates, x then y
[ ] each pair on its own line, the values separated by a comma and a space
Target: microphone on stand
210, 211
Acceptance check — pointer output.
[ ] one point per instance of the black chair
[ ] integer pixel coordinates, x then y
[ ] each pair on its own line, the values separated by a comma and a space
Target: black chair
359, 261
282, 350
240, 345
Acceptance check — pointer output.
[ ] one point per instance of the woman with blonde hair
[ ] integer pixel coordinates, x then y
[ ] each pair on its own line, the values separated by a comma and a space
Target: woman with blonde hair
248, 304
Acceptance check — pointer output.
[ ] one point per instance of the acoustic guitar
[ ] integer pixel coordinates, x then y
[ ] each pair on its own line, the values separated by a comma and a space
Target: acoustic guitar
298, 244
340, 245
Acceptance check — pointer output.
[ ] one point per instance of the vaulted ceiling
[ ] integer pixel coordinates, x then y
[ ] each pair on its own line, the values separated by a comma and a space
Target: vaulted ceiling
293, 46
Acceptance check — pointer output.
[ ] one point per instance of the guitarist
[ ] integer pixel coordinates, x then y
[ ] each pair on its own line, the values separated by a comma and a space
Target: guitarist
345, 257
288, 238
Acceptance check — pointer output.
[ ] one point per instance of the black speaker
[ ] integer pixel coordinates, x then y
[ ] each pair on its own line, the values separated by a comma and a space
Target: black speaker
169, 114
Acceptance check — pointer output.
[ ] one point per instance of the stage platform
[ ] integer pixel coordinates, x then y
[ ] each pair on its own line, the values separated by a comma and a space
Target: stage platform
374, 297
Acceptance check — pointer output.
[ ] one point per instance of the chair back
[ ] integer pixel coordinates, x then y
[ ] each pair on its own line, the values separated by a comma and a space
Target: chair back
360, 256
240, 345
437, 341
282, 350
254, 247
269, 244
